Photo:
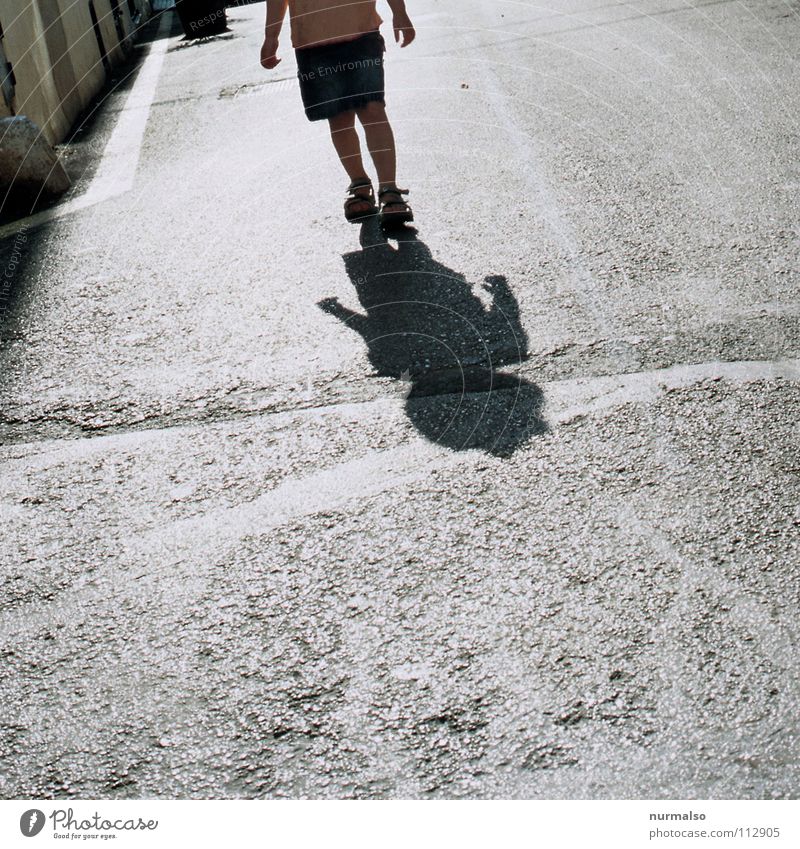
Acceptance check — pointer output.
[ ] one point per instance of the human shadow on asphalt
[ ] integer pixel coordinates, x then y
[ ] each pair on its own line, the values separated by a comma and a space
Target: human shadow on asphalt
424, 325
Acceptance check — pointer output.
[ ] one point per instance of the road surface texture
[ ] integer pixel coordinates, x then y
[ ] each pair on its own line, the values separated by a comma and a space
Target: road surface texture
504, 508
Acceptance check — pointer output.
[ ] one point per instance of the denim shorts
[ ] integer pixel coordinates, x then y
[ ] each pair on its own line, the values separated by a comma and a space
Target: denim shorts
338, 77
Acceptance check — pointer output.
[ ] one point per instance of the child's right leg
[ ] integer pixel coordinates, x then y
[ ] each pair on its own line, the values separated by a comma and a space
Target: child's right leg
345, 140
347, 144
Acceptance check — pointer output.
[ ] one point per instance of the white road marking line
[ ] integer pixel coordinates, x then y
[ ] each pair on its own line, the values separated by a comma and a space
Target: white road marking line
173, 545
565, 400
328, 490
381, 471
568, 399
117, 170
170, 548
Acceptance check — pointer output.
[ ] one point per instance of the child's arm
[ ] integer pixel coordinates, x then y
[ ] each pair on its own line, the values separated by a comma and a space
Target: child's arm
401, 22
276, 12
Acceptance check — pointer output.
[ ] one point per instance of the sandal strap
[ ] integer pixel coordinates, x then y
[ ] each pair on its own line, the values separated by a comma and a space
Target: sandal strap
392, 191
361, 184
355, 197
350, 202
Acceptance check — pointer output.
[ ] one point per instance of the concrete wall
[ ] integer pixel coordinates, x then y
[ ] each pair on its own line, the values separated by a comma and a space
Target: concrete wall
26, 49
53, 49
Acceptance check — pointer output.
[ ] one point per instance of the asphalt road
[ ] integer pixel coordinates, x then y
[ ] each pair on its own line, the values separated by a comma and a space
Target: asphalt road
506, 507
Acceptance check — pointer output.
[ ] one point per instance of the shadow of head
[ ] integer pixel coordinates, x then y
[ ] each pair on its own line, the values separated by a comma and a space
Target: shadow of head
425, 325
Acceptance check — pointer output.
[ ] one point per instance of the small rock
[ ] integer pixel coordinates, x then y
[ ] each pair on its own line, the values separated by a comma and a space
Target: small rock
29, 167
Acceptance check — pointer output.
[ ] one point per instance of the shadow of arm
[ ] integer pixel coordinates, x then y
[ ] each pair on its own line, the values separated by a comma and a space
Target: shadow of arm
334, 307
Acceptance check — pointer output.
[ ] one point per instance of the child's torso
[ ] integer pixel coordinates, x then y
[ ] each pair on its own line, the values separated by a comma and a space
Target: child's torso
319, 21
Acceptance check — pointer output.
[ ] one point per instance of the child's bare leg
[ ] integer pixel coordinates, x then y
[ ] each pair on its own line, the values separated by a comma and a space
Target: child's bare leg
380, 141
345, 140
348, 146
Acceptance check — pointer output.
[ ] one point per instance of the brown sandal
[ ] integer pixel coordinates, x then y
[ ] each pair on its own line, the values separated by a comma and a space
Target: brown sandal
355, 205
391, 196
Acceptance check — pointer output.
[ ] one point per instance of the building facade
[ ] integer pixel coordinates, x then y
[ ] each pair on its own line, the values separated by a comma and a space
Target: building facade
55, 56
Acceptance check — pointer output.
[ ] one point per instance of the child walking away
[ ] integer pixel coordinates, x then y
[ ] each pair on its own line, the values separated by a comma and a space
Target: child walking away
339, 52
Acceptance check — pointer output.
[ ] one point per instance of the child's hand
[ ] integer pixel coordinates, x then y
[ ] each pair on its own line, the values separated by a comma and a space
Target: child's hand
402, 24
330, 305
268, 50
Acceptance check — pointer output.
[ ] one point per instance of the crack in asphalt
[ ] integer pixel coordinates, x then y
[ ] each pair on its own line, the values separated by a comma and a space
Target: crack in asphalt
553, 365
565, 400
